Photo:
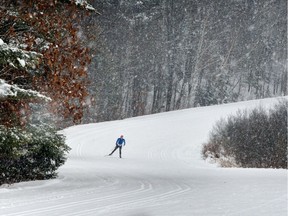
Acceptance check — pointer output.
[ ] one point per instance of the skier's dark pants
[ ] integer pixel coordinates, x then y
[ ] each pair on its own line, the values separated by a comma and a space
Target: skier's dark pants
116, 147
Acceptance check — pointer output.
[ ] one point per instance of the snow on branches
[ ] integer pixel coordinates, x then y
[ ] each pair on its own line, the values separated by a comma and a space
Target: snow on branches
85, 4
7, 90
18, 58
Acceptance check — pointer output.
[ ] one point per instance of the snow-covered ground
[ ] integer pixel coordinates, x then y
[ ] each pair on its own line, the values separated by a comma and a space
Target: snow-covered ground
161, 173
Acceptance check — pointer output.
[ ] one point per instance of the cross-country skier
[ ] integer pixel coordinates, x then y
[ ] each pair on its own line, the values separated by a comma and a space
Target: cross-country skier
119, 143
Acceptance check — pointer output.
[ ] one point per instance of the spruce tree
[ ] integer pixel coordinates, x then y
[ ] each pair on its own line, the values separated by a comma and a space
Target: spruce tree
42, 68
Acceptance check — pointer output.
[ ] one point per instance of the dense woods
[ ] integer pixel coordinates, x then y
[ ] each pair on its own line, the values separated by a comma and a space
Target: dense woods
163, 55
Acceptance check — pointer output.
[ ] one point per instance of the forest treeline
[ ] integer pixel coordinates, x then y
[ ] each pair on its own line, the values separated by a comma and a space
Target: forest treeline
162, 55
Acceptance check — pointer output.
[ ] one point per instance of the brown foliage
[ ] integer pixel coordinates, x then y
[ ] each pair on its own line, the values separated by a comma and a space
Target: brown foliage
52, 24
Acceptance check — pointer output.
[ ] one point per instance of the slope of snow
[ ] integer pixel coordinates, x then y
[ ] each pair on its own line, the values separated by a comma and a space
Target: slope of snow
161, 173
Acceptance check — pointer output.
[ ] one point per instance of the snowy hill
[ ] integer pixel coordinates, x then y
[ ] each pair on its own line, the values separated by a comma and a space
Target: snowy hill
161, 173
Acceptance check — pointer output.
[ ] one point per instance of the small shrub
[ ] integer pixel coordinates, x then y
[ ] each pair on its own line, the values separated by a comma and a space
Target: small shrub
250, 139
31, 154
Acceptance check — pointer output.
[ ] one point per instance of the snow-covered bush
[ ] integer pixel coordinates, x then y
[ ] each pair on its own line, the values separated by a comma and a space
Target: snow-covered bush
250, 139
33, 153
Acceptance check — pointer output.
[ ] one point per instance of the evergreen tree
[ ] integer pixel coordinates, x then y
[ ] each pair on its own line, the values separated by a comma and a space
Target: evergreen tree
40, 51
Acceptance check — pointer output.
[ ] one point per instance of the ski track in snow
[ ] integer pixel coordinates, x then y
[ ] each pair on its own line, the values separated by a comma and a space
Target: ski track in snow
162, 173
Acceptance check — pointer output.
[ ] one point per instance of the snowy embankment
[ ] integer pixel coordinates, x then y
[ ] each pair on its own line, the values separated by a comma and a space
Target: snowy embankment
161, 173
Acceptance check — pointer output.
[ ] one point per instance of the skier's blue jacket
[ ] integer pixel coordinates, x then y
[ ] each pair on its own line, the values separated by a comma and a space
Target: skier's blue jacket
120, 141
